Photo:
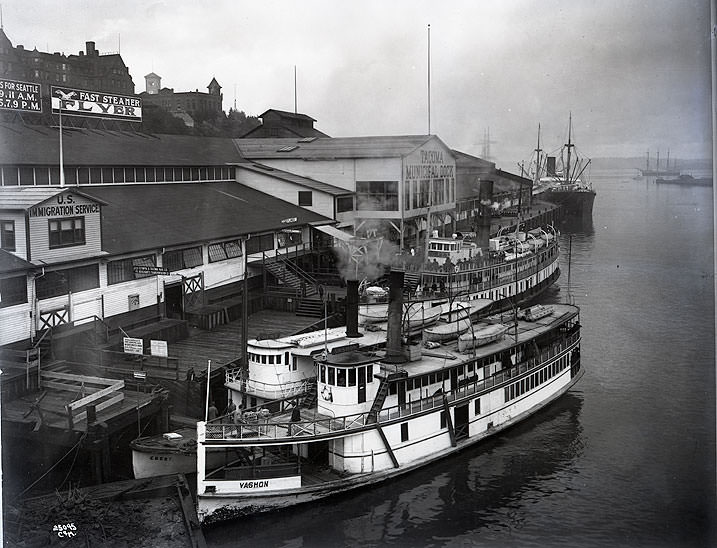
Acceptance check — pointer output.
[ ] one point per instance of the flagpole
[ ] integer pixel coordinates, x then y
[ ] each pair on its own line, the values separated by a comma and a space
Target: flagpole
62, 167
209, 375
429, 79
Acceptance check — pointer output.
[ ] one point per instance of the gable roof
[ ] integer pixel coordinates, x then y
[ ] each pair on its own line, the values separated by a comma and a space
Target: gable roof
25, 197
287, 176
39, 145
143, 217
287, 114
331, 148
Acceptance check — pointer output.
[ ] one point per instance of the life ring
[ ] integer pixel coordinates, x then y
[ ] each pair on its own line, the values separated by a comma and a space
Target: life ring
326, 394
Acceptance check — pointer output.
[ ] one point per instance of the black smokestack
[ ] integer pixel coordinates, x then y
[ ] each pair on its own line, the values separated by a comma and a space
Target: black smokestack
485, 195
550, 166
395, 316
352, 306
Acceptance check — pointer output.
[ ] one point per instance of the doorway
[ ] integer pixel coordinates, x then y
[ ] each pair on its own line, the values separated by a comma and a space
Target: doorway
174, 301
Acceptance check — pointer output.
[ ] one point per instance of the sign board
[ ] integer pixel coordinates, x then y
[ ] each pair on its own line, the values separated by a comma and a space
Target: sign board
158, 348
95, 104
22, 96
133, 346
141, 269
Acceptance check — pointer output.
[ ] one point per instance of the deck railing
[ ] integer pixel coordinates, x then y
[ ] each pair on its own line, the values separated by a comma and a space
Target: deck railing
259, 426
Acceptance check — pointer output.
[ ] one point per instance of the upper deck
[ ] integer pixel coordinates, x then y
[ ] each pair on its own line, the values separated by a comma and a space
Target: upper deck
267, 428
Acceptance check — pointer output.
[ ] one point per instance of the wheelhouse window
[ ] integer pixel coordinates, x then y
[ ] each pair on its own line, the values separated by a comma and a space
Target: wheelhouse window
178, 259
66, 232
7, 235
404, 431
124, 269
13, 291
224, 250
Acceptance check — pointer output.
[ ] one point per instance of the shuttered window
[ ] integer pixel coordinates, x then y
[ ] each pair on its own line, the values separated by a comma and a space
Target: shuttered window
123, 270
182, 258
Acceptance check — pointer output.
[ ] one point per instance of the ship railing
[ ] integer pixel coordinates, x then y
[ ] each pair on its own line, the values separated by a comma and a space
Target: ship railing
287, 389
260, 426
250, 472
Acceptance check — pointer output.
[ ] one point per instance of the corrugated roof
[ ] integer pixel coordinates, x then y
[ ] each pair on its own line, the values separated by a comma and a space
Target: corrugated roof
39, 145
11, 263
141, 217
307, 182
333, 147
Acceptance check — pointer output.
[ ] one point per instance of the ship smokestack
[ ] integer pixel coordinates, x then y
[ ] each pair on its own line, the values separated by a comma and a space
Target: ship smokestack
394, 353
352, 306
485, 198
550, 166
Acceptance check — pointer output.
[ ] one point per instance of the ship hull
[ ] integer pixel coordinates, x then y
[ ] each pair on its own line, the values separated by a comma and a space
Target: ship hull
576, 203
218, 507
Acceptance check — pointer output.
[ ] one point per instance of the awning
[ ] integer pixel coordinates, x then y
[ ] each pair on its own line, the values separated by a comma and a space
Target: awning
335, 232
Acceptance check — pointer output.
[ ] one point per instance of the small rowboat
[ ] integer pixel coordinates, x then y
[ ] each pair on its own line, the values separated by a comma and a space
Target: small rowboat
535, 312
480, 336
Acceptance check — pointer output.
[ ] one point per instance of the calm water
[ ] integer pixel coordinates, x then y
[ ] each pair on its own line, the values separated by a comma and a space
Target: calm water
625, 459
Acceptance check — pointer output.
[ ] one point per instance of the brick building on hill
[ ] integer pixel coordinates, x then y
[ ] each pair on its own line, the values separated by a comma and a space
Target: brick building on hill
89, 69
186, 105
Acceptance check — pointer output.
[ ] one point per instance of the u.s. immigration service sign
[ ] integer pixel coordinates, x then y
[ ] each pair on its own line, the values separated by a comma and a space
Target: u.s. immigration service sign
95, 104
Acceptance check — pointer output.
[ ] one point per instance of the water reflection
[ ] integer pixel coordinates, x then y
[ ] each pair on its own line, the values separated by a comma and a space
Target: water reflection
478, 490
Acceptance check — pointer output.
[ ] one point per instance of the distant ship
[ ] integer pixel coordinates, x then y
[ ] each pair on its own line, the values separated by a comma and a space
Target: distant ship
567, 186
657, 172
686, 180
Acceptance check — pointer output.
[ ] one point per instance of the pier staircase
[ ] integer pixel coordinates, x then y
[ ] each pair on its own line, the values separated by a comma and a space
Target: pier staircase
305, 286
382, 393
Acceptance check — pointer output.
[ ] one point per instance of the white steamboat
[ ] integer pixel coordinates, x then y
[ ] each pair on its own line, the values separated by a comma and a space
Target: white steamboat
382, 414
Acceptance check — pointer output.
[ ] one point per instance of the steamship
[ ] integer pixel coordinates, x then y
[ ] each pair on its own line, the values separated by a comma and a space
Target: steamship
516, 267
567, 186
378, 414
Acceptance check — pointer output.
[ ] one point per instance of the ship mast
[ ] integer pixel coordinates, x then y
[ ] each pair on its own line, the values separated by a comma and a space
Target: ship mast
538, 150
570, 145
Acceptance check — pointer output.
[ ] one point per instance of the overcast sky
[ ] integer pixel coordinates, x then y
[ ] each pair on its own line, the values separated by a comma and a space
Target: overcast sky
634, 74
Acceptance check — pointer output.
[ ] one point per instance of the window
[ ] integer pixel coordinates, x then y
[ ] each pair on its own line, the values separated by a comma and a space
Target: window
404, 431
352, 377
257, 244
340, 377
67, 232
123, 270
61, 282
377, 195
182, 258
224, 250
344, 203
443, 419
7, 235
332, 376
476, 406
13, 291
305, 198
289, 237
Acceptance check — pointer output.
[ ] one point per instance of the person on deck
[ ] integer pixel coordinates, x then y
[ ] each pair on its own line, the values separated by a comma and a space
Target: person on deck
212, 412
